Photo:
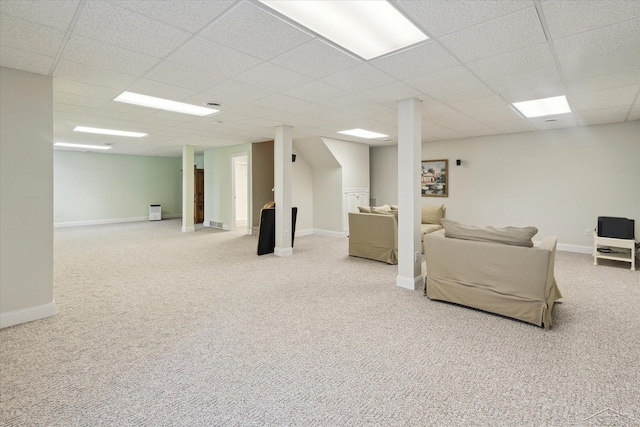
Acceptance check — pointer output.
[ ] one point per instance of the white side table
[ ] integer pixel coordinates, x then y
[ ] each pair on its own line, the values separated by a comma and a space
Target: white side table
621, 250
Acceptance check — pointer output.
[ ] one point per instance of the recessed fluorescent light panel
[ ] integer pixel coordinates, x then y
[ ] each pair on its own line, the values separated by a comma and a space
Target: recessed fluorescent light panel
361, 133
92, 147
367, 28
543, 107
109, 132
164, 104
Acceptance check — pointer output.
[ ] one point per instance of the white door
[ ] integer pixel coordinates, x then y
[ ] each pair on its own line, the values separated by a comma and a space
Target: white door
240, 193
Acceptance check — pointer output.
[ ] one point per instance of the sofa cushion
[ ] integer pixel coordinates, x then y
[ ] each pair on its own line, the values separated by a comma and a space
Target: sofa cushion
432, 214
513, 236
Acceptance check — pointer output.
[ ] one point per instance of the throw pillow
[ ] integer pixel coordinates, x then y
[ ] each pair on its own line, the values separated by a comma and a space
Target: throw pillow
513, 236
365, 209
380, 211
432, 214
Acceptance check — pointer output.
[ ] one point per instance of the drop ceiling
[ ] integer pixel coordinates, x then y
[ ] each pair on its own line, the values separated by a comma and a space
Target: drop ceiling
265, 71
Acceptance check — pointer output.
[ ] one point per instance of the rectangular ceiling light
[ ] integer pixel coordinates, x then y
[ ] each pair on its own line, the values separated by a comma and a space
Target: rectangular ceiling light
543, 107
109, 132
93, 147
163, 104
367, 28
361, 133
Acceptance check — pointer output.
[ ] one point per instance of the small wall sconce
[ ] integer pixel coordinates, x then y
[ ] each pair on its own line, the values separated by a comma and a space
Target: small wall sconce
458, 162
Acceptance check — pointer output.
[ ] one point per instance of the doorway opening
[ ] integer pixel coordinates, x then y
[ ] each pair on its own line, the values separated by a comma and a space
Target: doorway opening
240, 193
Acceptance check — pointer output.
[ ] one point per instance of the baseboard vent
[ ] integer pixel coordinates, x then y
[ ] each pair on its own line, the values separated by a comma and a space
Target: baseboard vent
215, 224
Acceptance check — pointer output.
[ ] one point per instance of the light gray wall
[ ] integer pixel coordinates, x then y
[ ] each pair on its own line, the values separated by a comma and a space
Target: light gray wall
302, 194
262, 177
218, 182
26, 197
99, 187
559, 180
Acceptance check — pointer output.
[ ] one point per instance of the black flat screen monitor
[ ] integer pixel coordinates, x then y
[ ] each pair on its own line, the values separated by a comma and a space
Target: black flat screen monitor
617, 228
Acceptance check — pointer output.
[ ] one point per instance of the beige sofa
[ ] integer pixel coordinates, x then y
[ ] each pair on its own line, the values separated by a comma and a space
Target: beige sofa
373, 232
498, 277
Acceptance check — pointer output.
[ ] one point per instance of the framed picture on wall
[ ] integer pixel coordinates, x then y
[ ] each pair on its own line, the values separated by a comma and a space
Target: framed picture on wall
434, 178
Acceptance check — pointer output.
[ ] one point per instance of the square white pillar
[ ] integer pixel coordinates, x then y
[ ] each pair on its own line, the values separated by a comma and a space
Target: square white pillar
282, 194
187, 189
409, 209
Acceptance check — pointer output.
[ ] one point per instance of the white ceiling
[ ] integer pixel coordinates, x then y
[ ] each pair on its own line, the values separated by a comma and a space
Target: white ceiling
265, 71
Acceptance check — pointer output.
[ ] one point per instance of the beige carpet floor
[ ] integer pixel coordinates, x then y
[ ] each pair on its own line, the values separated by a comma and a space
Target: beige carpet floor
162, 328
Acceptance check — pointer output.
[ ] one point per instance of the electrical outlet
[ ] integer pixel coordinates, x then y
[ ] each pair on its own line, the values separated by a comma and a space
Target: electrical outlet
587, 232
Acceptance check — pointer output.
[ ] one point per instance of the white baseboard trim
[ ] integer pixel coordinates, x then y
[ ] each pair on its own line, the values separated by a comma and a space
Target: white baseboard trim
575, 248
188, 229
110, 221
24, 315
307, 232
411, 283
329, 233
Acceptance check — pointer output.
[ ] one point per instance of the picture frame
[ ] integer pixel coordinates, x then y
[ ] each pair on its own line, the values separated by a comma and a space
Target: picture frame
434, 178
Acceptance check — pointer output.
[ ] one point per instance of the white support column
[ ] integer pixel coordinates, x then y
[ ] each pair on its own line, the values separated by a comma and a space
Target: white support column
409, 210
282, 179
187, 188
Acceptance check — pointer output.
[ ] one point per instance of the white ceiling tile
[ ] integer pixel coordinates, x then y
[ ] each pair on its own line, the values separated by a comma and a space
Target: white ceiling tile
434, 130
568, 17
188, 15
534, 93
314, 91
359, 78
443, 79
160, 90
68, 98
70, 108
230, 91
440, 17
211, 57
504, 34
271, 76
577, 47
481, 131
623, 78
602, 99
112, 24
528, 80
26, 61
28, 36
425, 58
252, 30
52, 13
178, 75
391, 93
107, 56
598, 117
480, 104
561, 121
315, 59
608, 63
461, 93
458, 121
83, 89
514, 62
284, 102
512, 126
120, 115
92, 75
634, 114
